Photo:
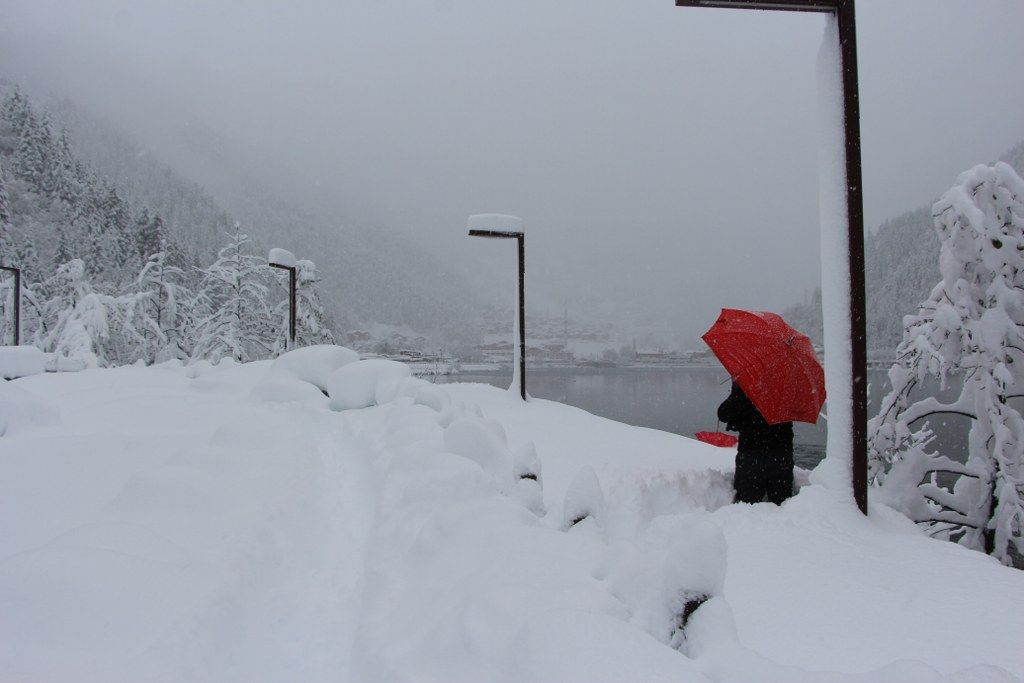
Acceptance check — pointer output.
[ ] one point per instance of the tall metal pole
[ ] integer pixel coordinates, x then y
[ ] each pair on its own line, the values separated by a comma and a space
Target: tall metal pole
292, 285
844, 12
520, 238
521, 242
855, 220
17, 302
293, 282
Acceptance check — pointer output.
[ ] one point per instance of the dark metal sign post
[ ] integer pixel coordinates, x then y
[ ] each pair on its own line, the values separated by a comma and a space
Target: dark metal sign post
292, 283
843, 11
520, 238
17, 302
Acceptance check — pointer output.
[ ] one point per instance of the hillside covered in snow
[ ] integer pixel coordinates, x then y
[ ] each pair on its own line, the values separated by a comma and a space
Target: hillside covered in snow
901, 268
234, 523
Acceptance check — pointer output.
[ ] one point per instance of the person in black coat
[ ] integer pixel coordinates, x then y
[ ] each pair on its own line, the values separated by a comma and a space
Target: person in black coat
764, 456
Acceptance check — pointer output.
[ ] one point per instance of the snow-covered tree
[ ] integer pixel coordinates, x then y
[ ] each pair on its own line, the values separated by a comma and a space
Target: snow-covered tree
6, 217
75, 318
231, 305
972, 328
159, 311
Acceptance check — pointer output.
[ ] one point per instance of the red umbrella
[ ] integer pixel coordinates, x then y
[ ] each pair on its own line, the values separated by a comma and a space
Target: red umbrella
775, 365
718, 439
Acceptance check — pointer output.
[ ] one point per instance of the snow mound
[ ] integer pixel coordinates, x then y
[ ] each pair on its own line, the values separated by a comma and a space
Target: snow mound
695, 562
21, 410
364, 383
495, 221
575, 645
584, 498
314, 364
281, 257
21, 361
281, 388
482, 441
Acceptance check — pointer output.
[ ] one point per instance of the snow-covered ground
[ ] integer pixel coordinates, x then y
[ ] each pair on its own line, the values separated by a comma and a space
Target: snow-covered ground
224, 523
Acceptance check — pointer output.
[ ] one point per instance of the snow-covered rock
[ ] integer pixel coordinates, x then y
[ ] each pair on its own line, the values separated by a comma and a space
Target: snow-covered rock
21, 361
314, 364
281, 257
356, 385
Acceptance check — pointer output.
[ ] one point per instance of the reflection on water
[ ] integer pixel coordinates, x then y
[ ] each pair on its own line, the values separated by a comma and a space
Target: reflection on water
685, 400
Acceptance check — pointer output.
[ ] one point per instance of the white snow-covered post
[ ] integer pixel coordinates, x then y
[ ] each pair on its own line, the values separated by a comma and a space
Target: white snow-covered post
501, 226
842, 240
285, 260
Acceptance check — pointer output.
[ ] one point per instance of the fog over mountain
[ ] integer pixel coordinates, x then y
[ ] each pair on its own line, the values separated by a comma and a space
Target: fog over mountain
664, 159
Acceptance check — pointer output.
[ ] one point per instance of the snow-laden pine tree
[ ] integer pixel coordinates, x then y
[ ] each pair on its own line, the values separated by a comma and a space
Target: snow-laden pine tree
970, 329
74, 323
159, 311
231, 306
311, 323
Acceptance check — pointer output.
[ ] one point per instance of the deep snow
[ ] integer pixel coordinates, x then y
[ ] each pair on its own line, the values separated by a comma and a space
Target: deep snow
223, 523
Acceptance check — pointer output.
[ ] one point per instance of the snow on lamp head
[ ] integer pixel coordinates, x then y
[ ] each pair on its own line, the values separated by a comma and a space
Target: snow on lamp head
281, 258
495, 222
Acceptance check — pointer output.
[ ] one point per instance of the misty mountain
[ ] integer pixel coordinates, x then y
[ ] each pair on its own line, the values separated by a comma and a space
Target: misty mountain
901, 268
369, 274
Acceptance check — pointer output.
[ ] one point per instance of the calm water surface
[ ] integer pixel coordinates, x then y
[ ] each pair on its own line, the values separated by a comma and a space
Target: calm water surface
684, 401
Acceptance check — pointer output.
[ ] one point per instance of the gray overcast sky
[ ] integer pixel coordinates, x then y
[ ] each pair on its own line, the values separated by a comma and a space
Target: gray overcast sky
663, 158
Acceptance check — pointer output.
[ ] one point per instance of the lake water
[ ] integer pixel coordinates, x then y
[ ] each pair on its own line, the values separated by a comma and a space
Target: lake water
683, 401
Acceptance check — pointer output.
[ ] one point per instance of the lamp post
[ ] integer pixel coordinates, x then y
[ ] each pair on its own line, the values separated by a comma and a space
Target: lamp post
843, 13
285, 260
17, 302
484, 225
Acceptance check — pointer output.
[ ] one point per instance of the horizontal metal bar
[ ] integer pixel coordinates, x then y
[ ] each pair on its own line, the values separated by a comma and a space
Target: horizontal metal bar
780, 5
501, 234
290, 269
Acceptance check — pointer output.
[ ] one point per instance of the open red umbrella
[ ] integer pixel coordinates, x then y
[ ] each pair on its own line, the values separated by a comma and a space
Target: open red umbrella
775, 365
717, 439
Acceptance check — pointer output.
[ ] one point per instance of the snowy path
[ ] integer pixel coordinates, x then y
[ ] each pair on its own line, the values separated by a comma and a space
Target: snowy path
174, 524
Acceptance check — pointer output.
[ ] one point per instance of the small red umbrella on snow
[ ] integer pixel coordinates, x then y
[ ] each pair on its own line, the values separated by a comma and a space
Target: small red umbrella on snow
775, 365
717, 439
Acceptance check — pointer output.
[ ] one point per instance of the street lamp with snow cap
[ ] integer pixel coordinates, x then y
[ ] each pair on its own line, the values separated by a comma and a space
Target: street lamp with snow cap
501, 226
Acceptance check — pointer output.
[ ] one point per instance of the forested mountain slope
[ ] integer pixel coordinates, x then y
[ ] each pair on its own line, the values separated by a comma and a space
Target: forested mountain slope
902, 267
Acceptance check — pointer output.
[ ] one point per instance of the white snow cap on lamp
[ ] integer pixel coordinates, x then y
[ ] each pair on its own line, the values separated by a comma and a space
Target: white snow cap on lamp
495, 221
281, 257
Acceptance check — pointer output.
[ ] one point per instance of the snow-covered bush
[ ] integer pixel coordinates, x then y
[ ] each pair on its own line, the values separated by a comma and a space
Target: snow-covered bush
314, 364
971, 327
583, 499
360, 384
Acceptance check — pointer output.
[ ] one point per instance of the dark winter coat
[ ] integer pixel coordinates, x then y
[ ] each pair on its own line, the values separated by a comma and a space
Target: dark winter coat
764, 455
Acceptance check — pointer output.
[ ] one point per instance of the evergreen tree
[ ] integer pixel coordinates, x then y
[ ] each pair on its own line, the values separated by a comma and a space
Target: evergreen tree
160, 310
149, 233
971, 327
232, 301
74, 322
6, 217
